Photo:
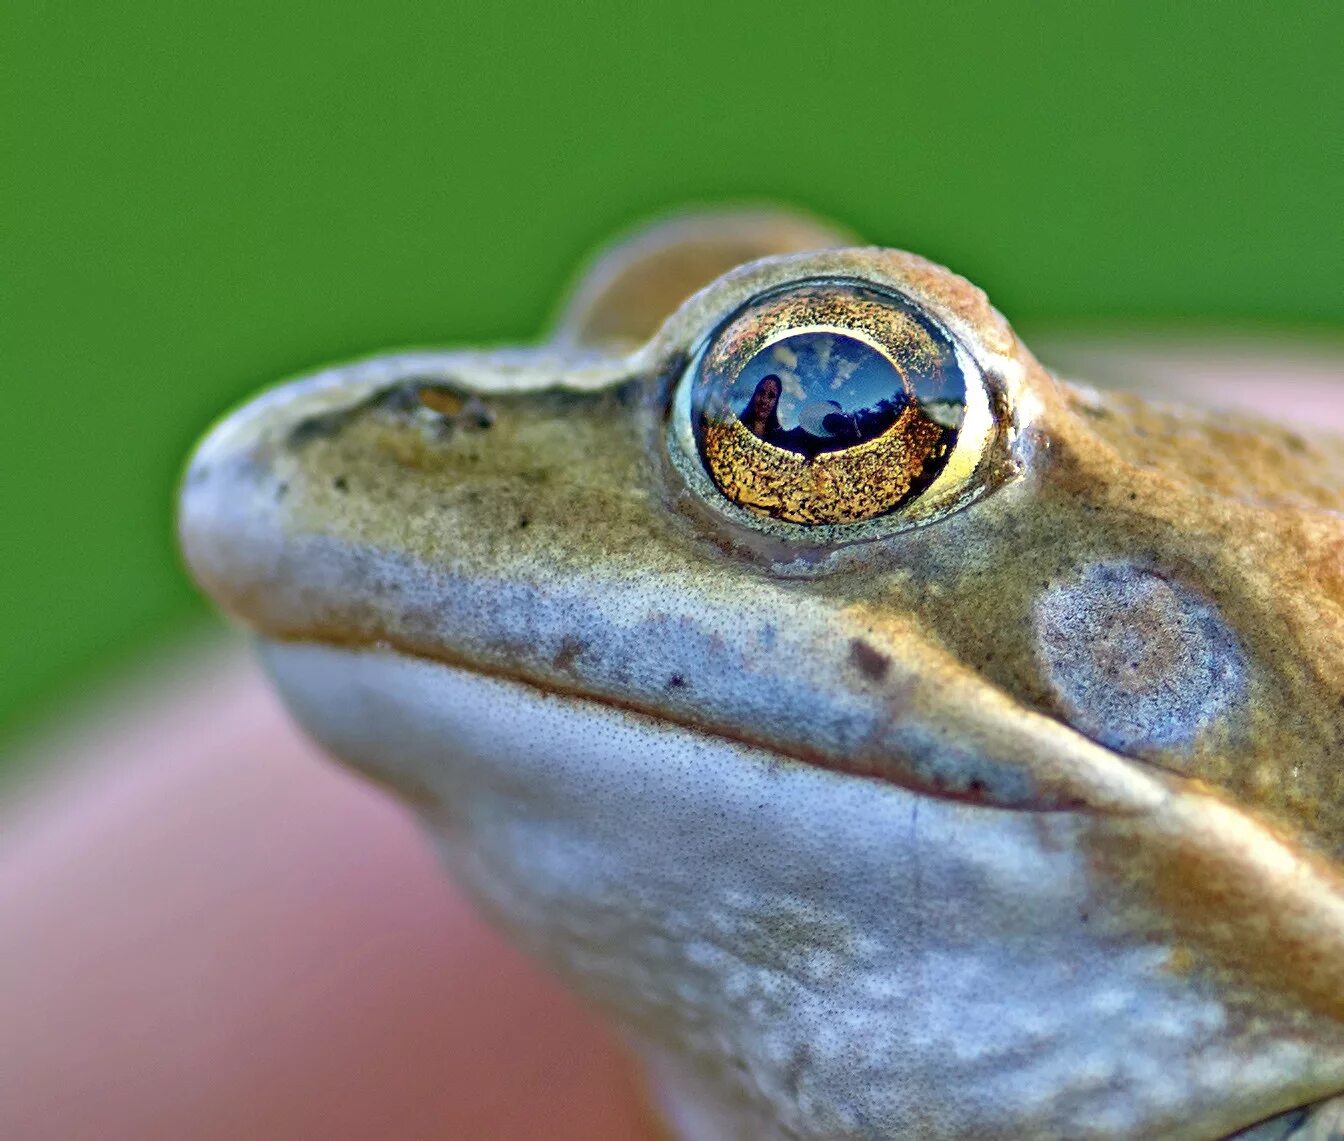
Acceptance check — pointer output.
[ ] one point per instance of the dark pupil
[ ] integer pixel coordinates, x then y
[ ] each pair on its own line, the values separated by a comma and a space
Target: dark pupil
818, 392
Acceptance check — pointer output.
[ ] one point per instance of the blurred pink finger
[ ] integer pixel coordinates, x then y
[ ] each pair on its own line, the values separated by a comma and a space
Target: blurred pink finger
213, 933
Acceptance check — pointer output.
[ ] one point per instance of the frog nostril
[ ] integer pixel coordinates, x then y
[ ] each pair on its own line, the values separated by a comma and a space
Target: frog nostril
453, 407
442, 405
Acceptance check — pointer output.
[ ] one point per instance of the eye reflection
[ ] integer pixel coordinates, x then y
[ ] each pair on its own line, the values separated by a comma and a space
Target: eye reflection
828, 403
818, 392
761, 416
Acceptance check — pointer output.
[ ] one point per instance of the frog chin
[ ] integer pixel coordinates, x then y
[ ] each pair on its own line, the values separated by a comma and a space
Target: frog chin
797, 952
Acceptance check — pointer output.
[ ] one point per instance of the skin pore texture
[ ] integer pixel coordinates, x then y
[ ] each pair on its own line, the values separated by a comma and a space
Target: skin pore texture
1012, 813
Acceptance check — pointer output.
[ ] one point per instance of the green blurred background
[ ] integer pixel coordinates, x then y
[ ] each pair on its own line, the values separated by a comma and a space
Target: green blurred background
199, 199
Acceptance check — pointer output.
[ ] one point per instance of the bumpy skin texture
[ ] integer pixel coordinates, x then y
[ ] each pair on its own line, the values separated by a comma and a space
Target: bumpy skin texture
1110, 684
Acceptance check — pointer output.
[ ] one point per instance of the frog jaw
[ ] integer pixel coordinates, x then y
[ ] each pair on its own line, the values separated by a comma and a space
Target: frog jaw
833, 955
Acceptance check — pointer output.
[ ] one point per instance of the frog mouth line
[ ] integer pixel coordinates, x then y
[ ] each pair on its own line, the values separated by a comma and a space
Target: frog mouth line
899, 772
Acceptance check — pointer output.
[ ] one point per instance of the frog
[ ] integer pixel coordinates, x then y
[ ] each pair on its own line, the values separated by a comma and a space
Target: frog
890, 737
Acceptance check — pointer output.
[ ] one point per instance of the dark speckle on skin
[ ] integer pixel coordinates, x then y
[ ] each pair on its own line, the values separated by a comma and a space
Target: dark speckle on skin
676, 681
567, 654
1137, 661
340, 483
478, 414
873, 663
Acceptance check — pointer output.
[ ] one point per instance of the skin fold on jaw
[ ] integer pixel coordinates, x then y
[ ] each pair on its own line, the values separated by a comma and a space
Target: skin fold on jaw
1111, 661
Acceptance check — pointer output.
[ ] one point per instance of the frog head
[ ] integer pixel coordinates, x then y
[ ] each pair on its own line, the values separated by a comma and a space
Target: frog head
893, 738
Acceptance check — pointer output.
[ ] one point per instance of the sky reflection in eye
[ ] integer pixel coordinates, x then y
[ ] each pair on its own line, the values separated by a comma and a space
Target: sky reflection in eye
817, 392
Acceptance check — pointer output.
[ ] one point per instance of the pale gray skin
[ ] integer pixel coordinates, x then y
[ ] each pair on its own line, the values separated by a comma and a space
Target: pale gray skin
1017, 814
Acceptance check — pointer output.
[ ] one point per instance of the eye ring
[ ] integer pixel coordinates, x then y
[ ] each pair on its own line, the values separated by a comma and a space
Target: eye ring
832, 409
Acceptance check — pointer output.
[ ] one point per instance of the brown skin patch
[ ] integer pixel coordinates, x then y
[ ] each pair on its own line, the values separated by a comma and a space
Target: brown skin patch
1238, 901
1327, 571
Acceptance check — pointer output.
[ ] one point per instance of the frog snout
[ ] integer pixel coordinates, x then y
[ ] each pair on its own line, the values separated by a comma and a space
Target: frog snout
229, 509
310, 459
239, 494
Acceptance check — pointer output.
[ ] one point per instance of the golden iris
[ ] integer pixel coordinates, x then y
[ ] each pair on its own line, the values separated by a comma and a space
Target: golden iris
827, 403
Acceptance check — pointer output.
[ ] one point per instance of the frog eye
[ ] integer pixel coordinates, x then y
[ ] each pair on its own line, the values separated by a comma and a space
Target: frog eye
831, 403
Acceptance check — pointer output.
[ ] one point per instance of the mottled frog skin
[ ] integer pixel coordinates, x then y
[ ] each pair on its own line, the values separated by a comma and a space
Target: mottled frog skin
1016, 811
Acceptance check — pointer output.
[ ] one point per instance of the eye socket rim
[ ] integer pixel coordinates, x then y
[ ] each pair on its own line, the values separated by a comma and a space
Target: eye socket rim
962, 480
